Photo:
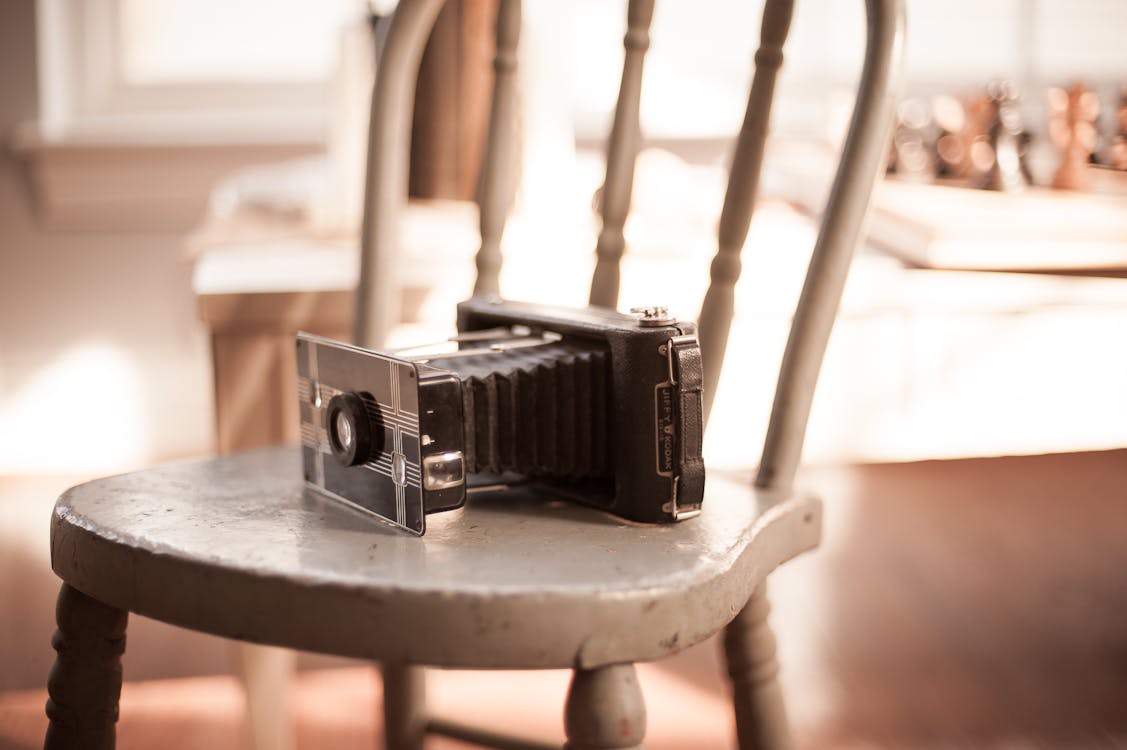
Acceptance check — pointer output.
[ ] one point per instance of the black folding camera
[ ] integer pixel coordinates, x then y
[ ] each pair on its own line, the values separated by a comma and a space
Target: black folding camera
600, 406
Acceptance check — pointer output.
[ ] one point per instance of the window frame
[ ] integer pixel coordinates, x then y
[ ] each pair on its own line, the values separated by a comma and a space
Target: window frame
83, 94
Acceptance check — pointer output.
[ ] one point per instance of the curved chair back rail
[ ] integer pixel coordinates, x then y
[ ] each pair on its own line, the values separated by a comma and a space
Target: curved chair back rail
385, 181
392, 105
861, 160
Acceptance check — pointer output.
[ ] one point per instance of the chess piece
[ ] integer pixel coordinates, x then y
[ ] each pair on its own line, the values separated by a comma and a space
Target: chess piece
1006, 140
951, 148
1072, 129
1118, 155
910, 158
962, 147
981, 112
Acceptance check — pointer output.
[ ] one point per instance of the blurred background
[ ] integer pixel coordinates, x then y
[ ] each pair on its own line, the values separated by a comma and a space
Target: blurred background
180, 189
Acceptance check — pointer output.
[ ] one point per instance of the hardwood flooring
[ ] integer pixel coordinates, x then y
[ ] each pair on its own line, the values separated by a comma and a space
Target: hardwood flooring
978, 603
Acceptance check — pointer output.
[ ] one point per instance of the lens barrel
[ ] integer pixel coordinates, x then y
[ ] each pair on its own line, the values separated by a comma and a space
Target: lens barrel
352, 424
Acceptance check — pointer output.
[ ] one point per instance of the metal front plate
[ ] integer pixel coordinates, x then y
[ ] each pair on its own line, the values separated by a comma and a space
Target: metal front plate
391, 485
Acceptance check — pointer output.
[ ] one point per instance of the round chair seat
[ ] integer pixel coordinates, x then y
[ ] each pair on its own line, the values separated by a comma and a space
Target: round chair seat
239, 547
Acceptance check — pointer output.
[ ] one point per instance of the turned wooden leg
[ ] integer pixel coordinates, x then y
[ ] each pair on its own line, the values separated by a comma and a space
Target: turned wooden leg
749, 649
404, 706
85, 683
605, 709
267, 673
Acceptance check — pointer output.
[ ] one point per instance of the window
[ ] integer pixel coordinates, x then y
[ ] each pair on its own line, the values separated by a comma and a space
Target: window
190, 67
145, 104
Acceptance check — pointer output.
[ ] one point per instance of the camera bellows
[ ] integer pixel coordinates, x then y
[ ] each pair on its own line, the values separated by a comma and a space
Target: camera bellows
536, 410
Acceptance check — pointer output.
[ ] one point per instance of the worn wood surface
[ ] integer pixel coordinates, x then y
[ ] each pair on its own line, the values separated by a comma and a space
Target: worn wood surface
237, 547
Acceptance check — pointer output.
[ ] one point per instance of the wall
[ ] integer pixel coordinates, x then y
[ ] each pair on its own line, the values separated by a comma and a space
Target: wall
103, 365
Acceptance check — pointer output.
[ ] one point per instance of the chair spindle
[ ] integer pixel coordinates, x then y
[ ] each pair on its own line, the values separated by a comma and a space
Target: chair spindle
739, 199
622, 151
499, 167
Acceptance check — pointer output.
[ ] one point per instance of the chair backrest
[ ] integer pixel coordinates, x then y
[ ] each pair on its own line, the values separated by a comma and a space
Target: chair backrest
862, 157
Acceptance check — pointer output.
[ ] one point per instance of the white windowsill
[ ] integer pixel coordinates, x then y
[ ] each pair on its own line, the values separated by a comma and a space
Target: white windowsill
147, 174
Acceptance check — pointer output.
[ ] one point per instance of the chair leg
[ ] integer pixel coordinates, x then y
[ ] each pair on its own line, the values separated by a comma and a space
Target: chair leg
749, 650
404, 706
85, 683
605, 709
267, 673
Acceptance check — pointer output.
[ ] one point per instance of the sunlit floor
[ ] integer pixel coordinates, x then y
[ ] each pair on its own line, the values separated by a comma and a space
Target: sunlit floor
975, 603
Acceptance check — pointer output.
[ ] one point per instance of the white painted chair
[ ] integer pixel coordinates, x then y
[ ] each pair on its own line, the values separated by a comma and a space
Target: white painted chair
236, 547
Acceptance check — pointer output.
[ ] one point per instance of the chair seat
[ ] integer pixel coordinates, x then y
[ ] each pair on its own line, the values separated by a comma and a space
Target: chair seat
238, 547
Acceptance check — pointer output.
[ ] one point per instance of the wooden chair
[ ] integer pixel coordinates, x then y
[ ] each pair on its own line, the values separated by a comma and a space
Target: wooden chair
234, 546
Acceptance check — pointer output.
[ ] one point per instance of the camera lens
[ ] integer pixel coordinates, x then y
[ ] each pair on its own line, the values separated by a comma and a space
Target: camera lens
354, 428
343, 430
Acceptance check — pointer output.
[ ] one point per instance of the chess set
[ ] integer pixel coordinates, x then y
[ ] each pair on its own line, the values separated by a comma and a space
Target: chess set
974, 185
982, 141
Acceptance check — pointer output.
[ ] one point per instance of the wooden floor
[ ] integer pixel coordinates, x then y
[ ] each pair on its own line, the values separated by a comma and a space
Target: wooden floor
959, 604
